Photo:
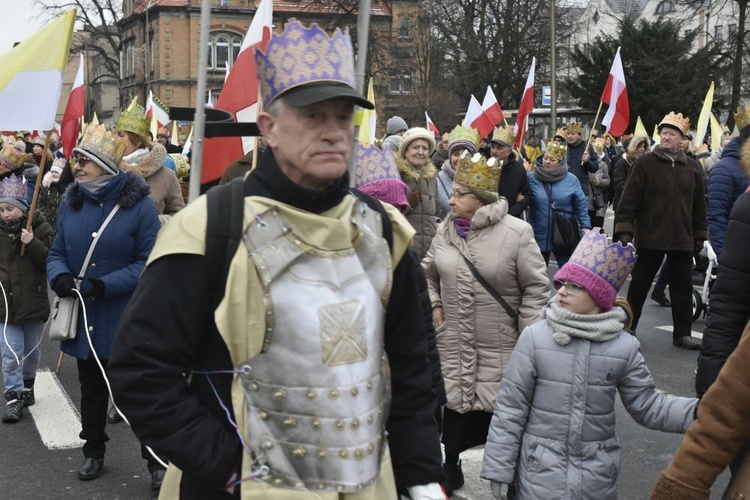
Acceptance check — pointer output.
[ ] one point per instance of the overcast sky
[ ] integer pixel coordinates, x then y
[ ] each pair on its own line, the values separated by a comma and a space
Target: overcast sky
17, 22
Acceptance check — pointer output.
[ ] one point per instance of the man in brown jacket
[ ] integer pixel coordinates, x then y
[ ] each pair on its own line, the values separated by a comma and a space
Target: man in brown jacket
664, 207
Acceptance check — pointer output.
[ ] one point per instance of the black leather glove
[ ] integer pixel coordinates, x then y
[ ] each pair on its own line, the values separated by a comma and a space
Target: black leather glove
64, 285
95, 290
625, 238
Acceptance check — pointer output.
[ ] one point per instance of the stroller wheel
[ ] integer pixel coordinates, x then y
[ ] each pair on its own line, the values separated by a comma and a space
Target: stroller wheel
697, 305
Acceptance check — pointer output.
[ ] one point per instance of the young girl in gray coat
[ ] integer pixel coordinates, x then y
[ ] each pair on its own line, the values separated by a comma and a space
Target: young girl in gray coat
553, 429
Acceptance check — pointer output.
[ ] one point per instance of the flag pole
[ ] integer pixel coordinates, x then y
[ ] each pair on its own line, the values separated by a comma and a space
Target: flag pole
257, 139
363, 34
196, 157
39, 177
593, 126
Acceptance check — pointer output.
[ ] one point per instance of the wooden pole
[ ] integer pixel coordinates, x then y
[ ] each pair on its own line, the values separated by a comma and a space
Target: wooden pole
38, 186
58, 369
593, 126
257, 139
363, 34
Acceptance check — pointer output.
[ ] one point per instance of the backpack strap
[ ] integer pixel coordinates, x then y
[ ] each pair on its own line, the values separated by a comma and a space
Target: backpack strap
223, 234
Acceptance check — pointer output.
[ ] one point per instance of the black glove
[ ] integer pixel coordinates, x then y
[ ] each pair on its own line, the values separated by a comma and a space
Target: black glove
625, 238
95, 290
64, 285
698, 245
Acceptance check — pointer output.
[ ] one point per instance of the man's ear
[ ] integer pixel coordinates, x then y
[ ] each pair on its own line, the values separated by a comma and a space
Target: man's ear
266, 123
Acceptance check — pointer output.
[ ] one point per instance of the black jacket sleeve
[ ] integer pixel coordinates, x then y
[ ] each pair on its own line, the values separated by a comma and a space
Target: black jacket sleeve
524, 189
433, 355
413, 436
729, 305
166, 333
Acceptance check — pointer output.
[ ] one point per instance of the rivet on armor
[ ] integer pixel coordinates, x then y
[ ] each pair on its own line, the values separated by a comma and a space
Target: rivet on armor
253, 386
316, 424
355, 423
370, 419
343, 453
263, 415
333, 394
278, 480
267, 444
322, 455
355, 391
340, 488
321, 486
339, 424
290, 422
369, 386
298, 452
311, 394
370, 449
279, 394
358, 454
245, 370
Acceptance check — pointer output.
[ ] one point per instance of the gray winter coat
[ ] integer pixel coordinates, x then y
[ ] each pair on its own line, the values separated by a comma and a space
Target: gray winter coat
553, 428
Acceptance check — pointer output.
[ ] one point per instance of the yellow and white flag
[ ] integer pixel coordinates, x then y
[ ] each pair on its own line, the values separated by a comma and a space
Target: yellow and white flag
640, 129
175, 133
31, 76
369, 119
716, 133
703, 118
656, 137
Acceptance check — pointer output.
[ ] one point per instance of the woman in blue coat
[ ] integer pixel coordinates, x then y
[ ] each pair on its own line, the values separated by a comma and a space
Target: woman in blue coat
111, 274
566, 193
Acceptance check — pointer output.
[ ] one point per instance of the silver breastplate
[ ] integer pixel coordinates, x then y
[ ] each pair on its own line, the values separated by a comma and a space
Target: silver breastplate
317, 395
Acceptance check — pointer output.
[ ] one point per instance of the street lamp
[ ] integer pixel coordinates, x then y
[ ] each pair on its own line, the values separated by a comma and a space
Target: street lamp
146, 68
553, 72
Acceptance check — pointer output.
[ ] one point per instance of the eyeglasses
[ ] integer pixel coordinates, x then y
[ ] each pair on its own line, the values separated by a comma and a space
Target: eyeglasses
81, 159
570, 287
460, 194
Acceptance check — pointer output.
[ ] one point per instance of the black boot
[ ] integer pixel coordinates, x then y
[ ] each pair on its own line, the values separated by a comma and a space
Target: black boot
13, 407
113, 417
454, 477
660, 298
28, 392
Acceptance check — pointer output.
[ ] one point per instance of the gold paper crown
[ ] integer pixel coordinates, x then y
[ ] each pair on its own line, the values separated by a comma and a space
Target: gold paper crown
181, 164
504, 135
574, 128
681, 123
478, 172
561, 132
134, 120
555, 150
12, 156
103, 147
742, 117
460, 133
599, 145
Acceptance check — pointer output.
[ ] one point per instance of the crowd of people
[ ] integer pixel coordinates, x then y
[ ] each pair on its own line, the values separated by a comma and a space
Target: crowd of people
287, 335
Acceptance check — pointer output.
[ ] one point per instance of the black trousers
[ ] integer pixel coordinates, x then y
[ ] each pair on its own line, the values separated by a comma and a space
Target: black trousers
94, 404
680, 286
94, 407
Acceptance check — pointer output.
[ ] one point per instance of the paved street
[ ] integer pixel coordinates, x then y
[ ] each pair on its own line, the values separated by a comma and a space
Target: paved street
39, 455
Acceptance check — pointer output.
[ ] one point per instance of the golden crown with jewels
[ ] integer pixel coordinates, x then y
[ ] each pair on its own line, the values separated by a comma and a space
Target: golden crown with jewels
504, 135
12, 156
574, 128
104, 147
561, 132
134, 120
555, 150
478, 172
676, 120
469, 134
742, 117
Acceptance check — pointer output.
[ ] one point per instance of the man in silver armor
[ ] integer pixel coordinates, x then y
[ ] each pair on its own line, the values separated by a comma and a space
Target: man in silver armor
309, 378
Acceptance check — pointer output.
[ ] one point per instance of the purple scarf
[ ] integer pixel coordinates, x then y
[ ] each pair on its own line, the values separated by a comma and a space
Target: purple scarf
462, 226
448, 169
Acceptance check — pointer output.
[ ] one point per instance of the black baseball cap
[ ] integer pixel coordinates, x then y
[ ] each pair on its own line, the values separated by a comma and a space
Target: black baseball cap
312, 93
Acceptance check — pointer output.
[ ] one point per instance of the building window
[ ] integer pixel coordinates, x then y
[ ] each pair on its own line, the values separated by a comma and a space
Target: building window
732, 32
404, 27
666, 7
402, 81
719, 34
223, 48
222, 3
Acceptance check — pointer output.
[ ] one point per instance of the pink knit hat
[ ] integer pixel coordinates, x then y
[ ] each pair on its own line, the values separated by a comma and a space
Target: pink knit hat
599, 268
376, 174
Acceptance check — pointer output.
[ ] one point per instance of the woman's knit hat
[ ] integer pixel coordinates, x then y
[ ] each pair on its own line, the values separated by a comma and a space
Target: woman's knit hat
395, 125
376, 174
417, 133
598, 267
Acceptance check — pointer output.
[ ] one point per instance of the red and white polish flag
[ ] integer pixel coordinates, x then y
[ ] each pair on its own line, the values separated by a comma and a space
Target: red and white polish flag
616, 96
71, 122
526, 106
476, 118
431, 126
491, 107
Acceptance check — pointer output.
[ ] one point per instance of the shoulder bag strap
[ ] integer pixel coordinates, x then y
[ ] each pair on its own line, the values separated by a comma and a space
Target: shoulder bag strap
495, 294
96, 239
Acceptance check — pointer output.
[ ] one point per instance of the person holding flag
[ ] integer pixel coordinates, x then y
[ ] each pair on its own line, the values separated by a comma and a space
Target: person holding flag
514, 183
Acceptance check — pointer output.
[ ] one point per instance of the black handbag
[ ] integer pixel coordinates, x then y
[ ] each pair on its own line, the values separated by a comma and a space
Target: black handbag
564, 230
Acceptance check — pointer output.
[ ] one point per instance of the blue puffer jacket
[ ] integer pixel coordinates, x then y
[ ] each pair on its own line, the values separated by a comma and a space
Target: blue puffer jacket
568, 197
726, 182
118, 259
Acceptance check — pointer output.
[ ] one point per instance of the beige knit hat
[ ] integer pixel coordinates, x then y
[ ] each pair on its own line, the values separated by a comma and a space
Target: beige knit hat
417, 133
